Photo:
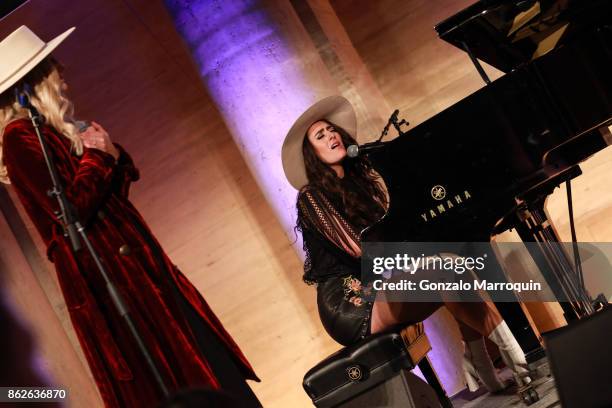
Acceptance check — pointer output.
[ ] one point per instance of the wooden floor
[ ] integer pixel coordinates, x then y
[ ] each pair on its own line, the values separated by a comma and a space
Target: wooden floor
544, 385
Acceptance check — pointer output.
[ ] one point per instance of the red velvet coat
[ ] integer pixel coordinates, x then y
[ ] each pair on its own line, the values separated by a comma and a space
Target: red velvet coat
98, 188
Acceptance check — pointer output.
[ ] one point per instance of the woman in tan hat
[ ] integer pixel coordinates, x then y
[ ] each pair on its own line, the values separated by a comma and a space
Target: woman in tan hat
186, 340
337, 199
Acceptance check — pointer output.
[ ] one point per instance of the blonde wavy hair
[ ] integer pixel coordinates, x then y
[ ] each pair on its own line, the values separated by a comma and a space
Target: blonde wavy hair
48, 98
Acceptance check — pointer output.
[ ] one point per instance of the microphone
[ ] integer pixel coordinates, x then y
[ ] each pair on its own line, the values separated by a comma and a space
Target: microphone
81, 125
355, 150
22, 95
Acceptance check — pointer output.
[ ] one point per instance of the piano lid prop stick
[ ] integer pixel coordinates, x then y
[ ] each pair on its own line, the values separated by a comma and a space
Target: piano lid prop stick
476, 63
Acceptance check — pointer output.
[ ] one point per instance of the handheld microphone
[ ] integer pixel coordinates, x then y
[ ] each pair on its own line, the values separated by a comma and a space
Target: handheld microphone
355, 150
81, 125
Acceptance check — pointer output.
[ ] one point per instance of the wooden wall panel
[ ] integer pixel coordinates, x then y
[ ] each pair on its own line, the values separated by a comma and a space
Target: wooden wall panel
416, 72
32, 309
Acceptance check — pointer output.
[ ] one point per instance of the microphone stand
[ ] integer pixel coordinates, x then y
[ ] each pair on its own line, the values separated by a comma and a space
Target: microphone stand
73, 229
396, 124
353, 150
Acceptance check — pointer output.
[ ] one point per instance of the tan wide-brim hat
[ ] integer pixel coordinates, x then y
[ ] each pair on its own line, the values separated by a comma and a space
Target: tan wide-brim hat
21, 51
335, 109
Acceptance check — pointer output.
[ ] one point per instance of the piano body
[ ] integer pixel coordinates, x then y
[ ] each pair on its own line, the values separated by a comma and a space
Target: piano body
487, 163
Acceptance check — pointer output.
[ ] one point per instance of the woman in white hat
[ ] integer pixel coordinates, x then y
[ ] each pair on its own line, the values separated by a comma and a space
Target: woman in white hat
187, 342
337, 199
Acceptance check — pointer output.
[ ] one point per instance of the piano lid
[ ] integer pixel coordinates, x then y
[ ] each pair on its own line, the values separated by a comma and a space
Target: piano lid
508, 33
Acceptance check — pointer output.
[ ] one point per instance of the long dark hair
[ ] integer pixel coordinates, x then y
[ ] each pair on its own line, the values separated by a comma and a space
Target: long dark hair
359, 194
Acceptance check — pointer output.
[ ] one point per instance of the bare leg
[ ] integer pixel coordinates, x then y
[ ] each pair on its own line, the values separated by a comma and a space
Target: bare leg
475, 319
386, 315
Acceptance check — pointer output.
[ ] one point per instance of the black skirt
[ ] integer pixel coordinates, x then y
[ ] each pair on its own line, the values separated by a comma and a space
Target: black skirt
343, 309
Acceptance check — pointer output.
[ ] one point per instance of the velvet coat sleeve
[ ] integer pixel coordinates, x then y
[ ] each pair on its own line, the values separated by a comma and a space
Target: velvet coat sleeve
125, 172
91, 184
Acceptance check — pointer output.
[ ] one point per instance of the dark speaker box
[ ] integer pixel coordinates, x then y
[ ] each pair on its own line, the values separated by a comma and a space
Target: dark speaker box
405, 390
580, 357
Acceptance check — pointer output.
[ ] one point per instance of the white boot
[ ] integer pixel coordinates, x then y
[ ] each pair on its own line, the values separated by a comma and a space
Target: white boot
477, 363
469, 372
511, 353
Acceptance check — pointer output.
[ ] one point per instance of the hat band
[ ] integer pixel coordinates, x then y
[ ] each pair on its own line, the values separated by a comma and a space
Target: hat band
16, 71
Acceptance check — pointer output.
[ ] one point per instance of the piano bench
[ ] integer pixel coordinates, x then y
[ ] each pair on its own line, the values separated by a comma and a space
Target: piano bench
376, 372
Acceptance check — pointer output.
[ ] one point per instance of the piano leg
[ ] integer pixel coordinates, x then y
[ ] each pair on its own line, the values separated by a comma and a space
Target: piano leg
552, 260
516, 320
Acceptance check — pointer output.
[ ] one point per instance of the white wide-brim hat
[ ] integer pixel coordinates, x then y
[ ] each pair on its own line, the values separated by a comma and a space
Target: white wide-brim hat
21, 51
335, 109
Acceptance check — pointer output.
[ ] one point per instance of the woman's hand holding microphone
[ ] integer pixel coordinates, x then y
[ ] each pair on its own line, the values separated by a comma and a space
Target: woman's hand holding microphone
95, 137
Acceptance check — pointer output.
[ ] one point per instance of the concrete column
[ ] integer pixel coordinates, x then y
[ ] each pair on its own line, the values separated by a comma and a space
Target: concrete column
262, 71
263, 68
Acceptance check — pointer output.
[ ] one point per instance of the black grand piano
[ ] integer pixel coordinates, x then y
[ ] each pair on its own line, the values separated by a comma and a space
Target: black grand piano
487, 163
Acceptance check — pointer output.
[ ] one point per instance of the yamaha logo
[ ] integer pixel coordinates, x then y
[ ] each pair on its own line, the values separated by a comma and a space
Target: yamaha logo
438, 192
354, 373
444, 203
